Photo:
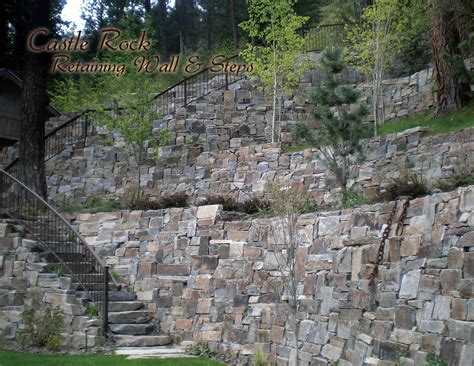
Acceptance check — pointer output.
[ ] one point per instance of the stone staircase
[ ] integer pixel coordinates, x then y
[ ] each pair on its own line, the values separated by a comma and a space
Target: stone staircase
23, 260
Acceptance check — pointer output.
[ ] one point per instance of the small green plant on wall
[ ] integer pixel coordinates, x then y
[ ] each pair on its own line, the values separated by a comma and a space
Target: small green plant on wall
43, 323
200, 350
260, 358
92, 310
435, 361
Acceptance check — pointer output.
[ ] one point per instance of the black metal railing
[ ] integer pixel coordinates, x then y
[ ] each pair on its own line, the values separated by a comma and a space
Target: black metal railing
318, 37
56, 236
73, 130
197, 86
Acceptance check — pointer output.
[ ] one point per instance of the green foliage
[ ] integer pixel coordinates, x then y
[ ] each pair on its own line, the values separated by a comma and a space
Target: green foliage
250, 206
178, 199
351, 198
388, 28
342, 11
433, 360
462, 118
407, 184
92, 310
114, 275
276, 51
340, 130
259, 358
92, 205
59, 271
42, 324
200, 350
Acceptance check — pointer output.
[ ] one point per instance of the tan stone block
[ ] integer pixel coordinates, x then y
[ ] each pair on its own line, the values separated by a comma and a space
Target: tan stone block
276, 334
211, 336
237, 235
204, 306
410, 246
459, 309
184, 324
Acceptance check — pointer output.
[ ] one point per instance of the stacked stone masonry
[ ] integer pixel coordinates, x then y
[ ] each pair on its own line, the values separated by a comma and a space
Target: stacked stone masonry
219, 282
25, 278
99, 169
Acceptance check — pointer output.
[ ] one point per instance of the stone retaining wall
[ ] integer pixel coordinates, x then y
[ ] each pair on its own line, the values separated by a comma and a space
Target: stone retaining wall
97, 169
24, 277
219, 281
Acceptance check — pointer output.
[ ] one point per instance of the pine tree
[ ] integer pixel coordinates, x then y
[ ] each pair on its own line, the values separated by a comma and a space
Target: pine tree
340, 131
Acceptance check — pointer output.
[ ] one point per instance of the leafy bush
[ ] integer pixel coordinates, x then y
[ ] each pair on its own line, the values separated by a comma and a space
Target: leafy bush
92, 310
174, 200
434, 361
352, 198
59, 271
407, 184
92, 205
259, 358
250, 206
457, 180
42, 326
200, 350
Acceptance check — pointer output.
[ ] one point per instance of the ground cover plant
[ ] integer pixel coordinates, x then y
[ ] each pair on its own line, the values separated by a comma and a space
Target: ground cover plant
10, 358
462, 118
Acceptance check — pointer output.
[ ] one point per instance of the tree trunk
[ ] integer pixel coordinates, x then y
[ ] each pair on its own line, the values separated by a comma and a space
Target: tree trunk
147, 6
162, 18
34, 102
209, 26
233, 24
452, 92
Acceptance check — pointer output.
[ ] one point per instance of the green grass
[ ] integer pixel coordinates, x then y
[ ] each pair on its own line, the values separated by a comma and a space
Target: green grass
459, 120
10, 358
92, 205
295, 148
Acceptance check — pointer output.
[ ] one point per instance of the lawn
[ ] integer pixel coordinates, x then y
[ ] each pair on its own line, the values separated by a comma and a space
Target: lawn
459, 120
10, 358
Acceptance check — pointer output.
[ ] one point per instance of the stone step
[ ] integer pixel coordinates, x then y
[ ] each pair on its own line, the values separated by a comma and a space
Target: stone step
141, 341
132, 329
79, 267
125, 305
129, 317
152, 352
113, 295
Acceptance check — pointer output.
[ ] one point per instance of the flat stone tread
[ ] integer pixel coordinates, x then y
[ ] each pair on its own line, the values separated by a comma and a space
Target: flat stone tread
144, 351
141, 341
130, 317
125, 306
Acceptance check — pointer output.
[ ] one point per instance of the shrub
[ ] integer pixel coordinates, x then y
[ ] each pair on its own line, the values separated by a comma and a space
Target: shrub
200, 350
407, 184
42, 326
259, 358
92, 310
59, 271
250, 206
432, 360
457, 180
174, 200
92, 205
352, 198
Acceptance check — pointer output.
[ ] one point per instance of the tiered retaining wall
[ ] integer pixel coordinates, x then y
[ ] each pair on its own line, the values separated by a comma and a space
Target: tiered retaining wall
101, 170
219, 281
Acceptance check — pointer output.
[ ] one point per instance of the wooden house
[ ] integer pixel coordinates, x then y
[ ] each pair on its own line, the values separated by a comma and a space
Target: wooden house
10, 108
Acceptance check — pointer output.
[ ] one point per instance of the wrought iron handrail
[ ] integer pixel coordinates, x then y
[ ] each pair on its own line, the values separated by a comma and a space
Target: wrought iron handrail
320, 36
196, 86
54, 234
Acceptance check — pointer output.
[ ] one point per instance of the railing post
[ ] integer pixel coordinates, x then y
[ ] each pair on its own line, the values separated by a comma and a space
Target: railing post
105, 304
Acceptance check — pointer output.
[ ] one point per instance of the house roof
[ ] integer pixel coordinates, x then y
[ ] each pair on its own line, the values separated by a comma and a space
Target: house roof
10, 75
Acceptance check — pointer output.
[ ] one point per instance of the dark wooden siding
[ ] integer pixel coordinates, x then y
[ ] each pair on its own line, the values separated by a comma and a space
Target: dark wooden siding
10, 108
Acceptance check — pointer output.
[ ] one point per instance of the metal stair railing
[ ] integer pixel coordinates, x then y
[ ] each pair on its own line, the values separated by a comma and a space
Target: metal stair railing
55, 235
196, 86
